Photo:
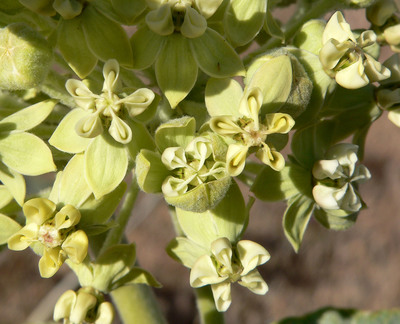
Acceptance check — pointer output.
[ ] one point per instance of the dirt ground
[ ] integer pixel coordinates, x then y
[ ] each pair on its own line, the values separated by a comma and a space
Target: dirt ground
357, 268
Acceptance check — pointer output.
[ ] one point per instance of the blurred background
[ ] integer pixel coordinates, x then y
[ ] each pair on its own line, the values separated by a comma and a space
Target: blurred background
356, 268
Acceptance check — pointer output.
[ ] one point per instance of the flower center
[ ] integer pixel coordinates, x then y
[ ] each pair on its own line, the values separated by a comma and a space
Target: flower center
49, 236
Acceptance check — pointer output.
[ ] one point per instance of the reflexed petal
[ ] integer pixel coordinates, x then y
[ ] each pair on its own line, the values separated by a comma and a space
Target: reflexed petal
68, 9
83, 97
394, 116
251, 255
76, 246
366, 38
138, 101
194, 24
204, 273
337, 28
84, 302
351, 201
254, 282
105, 313
392, 34
325, 196
388, 98
23, 238
361, 174
327, 169
38, 210
236, 159
279, 123
64, 305
207, 7
352, 77
14, 184
375, 70
174, 157
89, 126
160, 20
271, 157
332, 51
50, 262
250, 104
222, 295
173, 187
225, 125
67, 217
145, 47
110, 74
222, 250
120, 130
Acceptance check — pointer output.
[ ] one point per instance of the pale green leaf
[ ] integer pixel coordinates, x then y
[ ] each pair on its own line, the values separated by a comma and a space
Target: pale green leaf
185, 251
8, 227
105, 38
137, 276
73, 47
296, 218
65, 137
243, 20
215, 56
128, 9
141, 139
223, 97
177, 132
176, 69
14, 182
146, 46
5, 196
26, 154
28, 117
106, 162
272, 27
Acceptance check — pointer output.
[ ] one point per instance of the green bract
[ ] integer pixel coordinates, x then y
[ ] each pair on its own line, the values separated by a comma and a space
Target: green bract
186, 169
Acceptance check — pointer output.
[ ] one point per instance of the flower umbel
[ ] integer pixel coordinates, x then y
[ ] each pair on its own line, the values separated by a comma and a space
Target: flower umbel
337, 179
227, 265
52, 233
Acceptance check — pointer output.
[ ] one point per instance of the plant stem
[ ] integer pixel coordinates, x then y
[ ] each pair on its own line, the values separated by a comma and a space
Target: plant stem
206, 306
137, 304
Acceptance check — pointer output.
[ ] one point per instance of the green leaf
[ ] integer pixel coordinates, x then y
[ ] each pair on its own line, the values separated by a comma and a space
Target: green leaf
243, 20
73, 46
8, 227
14, 182
128, 9
105, 38
223, 97
150, 171
185, 251
177, 132
271, 185
146, 46
215, 56
227, 219
65, 137
296, 218
141, 139
176, 69
106, 162
29, 117
26, 154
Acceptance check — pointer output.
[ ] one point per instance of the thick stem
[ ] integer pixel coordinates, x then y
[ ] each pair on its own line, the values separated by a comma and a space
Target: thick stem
137, 304
206, 306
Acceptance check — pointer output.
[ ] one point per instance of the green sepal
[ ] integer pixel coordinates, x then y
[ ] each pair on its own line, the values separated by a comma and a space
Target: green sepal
128, 10
176, 69
65, 138
141, 139
272, 27
243, 20
73, 46
28, 117
202, 197
26, 154
105, 38
185, 251
98, 211
227, 219
146, 46
150, 171
97, 229
175, 133
112, 265
14, 182
220, 62
338, 220
8, 227
106, 162
136, 276
310, 143
222, 97
296, 218
71, 187
5, 196
271, 185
